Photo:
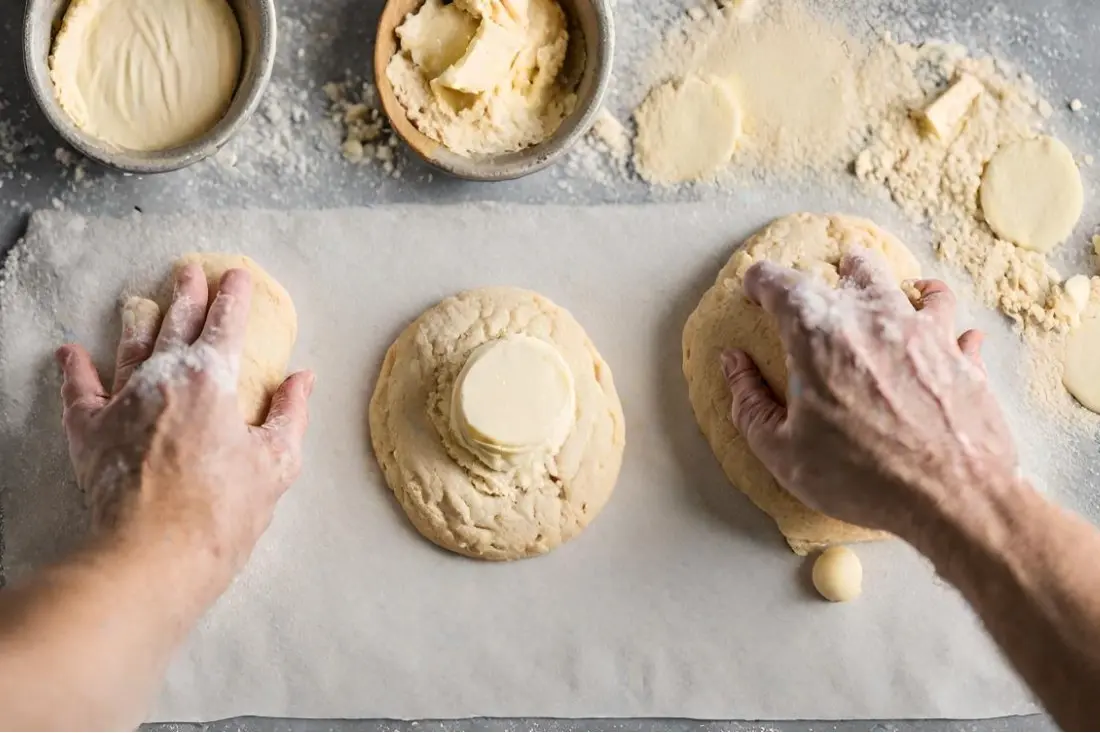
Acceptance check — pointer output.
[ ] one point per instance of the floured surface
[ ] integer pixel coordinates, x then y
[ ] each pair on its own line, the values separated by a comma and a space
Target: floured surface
681, 600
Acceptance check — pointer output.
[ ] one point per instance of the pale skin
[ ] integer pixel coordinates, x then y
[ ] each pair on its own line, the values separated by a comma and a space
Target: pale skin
889, 423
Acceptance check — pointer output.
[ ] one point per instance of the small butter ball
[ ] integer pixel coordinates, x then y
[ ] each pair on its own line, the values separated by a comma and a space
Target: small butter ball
838, 575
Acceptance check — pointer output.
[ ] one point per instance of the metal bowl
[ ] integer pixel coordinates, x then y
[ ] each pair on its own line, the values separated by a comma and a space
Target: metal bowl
257, 21
589, 61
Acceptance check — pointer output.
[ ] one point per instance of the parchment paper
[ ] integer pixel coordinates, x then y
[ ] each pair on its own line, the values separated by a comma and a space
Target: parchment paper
681, 600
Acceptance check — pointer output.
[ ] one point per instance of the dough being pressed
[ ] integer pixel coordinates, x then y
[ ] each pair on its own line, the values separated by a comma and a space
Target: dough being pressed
725, 318
482, 77
1031, 193
146, 75
457, 500
687, 130
838, 575
272, 330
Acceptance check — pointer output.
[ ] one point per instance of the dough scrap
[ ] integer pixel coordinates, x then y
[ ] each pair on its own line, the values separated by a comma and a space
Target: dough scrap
725, 318
687, 130
1081, 372
146, 75
483, 77
451, 497
838, 575
272, 330
1031, 193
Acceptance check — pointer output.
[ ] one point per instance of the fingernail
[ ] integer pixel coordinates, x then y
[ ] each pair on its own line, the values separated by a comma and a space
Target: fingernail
62, 356
731, 362
311, 379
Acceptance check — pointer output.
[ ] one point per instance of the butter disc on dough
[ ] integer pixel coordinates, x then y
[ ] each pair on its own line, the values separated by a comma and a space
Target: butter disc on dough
269, 339
1031, 193
146, 74
687, 130
725, 318
497, 425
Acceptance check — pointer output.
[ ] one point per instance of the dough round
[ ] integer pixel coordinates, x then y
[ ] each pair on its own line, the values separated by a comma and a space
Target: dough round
1083, 354
451, 496
1031, 193
838, 575
725, 318
687, 130
145, 75
272, 330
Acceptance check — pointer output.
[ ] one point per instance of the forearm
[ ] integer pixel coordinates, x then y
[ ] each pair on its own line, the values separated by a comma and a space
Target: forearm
84, 645
1029, 570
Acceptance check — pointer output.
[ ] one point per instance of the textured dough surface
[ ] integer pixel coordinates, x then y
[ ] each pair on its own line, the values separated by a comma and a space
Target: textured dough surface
725, 318
453, 499
1031, 193
272, 330
1081, 373
687, 130
146, 74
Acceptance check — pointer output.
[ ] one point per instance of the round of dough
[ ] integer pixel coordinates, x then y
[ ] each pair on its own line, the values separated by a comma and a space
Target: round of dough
838, 575
514, 395
687, 130
452, 496
146, 75
1031, 193
725, 318
269, 339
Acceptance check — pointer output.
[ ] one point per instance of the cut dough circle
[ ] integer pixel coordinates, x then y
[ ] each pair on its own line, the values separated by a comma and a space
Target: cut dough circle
271, 334
725, 318
450, 495
1031, 193
146, 75
1081, 372
838, 575
687, 130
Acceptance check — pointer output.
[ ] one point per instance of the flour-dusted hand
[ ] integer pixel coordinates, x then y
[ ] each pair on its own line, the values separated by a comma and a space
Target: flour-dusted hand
886, 412
168, 448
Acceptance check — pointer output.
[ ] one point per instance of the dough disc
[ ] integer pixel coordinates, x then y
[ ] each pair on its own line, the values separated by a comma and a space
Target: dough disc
1082, 367
146, 74
272, 330
725, 318
1031, 193
687, 131
451, 497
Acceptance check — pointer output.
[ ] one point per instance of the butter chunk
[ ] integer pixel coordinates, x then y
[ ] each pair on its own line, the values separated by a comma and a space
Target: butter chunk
943, 117
487, 61
436, 36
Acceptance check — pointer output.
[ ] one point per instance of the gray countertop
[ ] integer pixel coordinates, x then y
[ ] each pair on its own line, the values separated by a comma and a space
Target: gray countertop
289, 158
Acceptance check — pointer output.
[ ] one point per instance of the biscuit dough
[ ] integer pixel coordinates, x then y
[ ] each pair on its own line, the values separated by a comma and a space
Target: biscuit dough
687, 130
449, 494
146, 75
483, 77
838, 575
1031, 193
725, 318
272, 330
514, 401
1081, 372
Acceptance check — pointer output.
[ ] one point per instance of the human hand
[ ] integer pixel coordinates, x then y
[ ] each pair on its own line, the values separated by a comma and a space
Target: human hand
167, 449
886, 412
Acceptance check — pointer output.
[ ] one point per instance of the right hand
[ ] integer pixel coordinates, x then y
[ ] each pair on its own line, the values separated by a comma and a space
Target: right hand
887, 412
166, 453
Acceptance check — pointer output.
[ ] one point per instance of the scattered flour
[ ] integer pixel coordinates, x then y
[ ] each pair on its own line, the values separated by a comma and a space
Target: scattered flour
366, 134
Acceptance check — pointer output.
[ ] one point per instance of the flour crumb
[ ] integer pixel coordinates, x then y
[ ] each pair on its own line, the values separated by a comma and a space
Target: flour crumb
366, 135
1076, 105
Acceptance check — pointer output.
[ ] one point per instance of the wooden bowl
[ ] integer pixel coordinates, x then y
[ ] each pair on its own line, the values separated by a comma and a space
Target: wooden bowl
588, 62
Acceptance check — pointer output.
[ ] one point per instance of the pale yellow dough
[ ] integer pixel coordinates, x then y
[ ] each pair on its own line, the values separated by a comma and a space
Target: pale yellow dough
146, 74
482, 77
687, 130
725, 318
838, 575
1081, 373
1031, 193
451, 494
272, 330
